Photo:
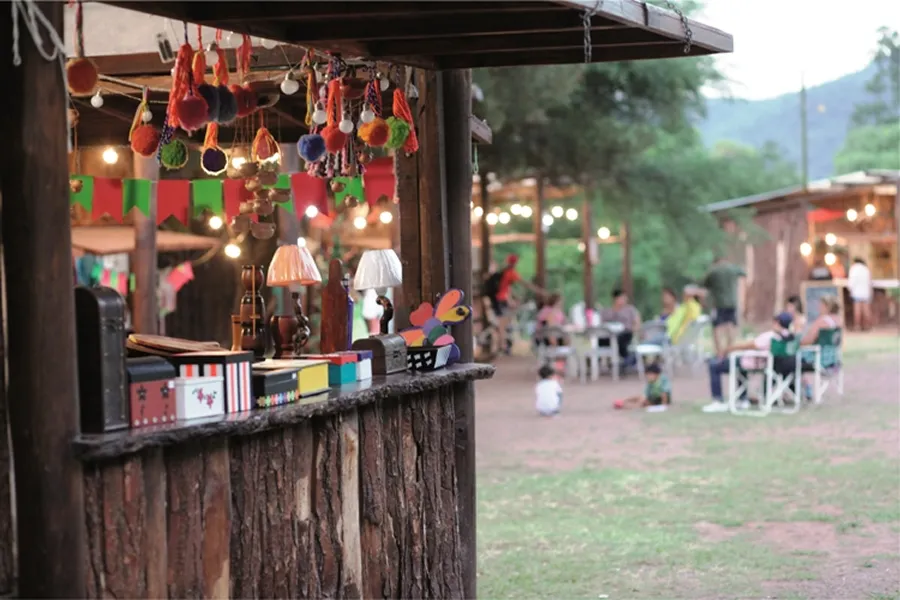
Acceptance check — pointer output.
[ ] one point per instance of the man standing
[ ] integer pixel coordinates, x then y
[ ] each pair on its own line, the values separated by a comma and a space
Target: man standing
497, 288
721, 283
859, 280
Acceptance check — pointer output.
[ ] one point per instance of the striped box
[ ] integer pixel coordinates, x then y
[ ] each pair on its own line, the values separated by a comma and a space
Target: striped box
233, 367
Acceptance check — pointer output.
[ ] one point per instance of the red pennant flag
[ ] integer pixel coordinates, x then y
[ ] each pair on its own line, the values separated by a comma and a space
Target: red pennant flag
308, 191
107, 198
379, 180
173, 197
235, 192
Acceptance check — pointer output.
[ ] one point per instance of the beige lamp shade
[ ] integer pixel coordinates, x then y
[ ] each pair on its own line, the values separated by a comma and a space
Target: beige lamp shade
377, 270
292, 264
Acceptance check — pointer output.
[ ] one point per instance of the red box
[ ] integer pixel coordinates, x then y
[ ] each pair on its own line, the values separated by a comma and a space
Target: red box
336, 358
151, 391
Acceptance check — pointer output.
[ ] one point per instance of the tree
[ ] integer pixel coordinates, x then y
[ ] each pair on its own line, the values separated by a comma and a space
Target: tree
870, 147
884, 87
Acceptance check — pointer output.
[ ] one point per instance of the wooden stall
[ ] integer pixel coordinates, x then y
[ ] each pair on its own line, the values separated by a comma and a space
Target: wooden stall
826, 225
366, 492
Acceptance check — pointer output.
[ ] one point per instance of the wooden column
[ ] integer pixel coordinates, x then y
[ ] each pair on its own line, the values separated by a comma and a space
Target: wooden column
288, 223
587, 235
457, 101
627, 281
484, 230
145, 310
41, 319
540, 244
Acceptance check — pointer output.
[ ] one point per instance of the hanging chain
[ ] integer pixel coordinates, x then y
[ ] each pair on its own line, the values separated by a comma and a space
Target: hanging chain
586, 26
474, 159
688, 34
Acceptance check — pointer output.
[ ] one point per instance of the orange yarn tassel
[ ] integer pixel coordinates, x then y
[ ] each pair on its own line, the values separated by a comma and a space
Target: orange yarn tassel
402, 111
181, 77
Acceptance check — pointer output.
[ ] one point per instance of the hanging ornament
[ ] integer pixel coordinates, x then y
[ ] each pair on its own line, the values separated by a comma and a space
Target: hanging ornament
346, 125
146, 115
81, 73
311, 147
268, 177
144, 139
97, 100
75, 185
279, 196
351, 201
353, 88
263, 207
290, 85
337, 186
367, 116
262, 230
364, 158
232, 40
208, 92
319, 116
399, 132
213, 159
383, 82
252, 185
173, 155
240, 224
401, 110
335, 139
212, 54
376, 132
264, 145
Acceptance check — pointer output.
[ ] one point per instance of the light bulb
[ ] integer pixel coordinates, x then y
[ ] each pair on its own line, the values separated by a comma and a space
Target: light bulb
557, 212
319, 116
806, 249
516, 209
367, 116
830, 239
301, 242
477, 212
211, 56
97, 100
268, 44
603, 233
527, 212
386, 217
830, 259
547, 220
870, 210
346, 125
491, 218
146, 116
232, 250
231, 40
311, 212
110, 156
571, 214
852, 215
238, 161
290, 85
504, 218
581, 246
384, 83
215, 222
359, 222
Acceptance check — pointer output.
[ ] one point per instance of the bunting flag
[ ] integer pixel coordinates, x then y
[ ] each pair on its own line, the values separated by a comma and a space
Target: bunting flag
234, 192
379, 180
107, 198
136, 194
308, 191
172, 199
85, 197
353, 186
207, 197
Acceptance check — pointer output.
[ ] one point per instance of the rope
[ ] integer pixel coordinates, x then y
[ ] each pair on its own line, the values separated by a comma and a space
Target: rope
586, 26
79, 29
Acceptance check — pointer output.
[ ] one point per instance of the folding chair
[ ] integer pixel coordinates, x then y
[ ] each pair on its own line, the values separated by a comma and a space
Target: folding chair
825, 362
687, 350
781, 375
550, 353
596, 353
655, 343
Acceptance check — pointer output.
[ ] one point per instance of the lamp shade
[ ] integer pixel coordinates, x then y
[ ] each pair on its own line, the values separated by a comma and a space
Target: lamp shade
292, 264
378, 269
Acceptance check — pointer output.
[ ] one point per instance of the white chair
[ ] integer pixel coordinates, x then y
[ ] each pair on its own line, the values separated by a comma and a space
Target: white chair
597, 353
654, 343
551, 352
688, 351
781, 384
826, 362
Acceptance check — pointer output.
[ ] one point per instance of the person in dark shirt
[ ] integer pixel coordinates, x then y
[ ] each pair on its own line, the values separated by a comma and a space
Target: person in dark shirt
721, 283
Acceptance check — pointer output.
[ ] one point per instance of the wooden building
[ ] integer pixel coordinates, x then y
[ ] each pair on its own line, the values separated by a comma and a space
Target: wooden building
369, 493
829, 223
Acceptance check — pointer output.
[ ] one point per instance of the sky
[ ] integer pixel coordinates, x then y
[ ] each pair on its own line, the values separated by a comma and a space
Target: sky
776, 42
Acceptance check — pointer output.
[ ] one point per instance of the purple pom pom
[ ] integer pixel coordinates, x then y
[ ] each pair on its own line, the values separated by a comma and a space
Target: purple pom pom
311, 147
211, 95
227, 105
213, 161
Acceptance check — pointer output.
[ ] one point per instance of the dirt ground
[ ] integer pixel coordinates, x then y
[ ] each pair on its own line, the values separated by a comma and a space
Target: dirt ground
864, 424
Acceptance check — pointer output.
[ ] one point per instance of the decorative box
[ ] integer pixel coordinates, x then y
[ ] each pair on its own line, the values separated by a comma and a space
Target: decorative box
100, 325
363, 365
388, 352
234, 367
197, 397
274, 387
151, 391
341, 366
428, 358
312, 375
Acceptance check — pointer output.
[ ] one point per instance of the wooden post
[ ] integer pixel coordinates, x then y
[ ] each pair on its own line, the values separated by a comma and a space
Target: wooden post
288, 223
627, 281
457, 101
145, 317
587, 234
540, 278
484, 230
41, 319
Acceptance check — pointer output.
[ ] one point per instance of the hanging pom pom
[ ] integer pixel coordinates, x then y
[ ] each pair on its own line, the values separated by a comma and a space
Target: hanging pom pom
173, 155
335, 139
399, 132
264, 145
376, 133
245, 100
145, 140
311, 147
213, 161
211, 95
228, 107
401, 110
191, 112
82, 76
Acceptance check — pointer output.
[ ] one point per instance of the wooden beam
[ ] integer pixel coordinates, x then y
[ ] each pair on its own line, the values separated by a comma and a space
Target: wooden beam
484, 230
145, 315
587, 236
627, 280
42, 379
149, 63
481, 133
600, 54
540, 245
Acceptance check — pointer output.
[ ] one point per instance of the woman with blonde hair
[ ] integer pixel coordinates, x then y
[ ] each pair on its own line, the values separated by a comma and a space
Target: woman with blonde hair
829, 318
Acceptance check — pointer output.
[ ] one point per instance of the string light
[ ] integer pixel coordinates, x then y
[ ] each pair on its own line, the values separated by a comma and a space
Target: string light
301, 242
830, 239
581, 246
477, 212
110, 156
603, 233
806, 249
870, 210
215, 222
527, 212
385, 217
238, 161
97, 100
491, 218
571, 214
852, 215
557, 212
516, 209
830, 259
359, 222
547, 220
504, 218
232, 250
311, 212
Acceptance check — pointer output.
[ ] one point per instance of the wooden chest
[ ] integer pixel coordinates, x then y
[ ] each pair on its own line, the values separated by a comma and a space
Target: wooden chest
388, 353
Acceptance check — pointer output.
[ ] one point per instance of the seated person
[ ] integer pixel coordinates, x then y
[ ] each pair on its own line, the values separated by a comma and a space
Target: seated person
686, 313
627, 315
658, 391
551, 315
719, 366
669, 303
795, 308
829, 318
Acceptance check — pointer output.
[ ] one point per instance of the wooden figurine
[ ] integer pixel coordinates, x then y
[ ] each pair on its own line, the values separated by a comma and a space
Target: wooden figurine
254, 334
337, 312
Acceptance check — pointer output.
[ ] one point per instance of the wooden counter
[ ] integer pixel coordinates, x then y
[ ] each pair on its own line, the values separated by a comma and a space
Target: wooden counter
351, 494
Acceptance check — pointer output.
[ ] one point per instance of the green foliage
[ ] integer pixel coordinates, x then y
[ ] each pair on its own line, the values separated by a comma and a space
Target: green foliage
870, 147
883, 107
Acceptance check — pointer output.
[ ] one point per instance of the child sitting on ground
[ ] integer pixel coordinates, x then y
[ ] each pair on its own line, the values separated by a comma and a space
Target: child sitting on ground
657, 394
548, 392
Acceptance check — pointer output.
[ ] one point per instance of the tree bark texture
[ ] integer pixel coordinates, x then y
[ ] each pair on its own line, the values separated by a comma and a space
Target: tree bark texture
358, 505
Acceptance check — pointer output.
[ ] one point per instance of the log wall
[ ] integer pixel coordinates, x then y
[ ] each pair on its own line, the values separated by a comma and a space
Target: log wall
362, 503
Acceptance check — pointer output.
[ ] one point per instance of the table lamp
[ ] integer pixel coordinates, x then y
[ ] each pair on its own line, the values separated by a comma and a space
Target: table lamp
379, 270
291, 265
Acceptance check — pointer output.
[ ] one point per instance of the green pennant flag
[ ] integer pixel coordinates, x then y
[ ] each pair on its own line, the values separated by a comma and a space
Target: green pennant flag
207, 195
353, 186
136, 194
86, 196
284, 182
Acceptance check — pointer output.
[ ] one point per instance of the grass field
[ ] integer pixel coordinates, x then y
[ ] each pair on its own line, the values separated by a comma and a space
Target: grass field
688, 505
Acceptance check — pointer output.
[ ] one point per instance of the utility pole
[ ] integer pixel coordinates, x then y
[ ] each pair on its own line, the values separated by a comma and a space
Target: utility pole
804, 135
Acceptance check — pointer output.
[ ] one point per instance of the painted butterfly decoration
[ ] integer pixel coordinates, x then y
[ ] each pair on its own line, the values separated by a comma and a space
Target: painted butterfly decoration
431, 324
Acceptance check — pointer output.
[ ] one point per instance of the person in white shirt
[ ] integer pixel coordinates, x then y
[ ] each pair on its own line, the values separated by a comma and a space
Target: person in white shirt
859, 281
548, 392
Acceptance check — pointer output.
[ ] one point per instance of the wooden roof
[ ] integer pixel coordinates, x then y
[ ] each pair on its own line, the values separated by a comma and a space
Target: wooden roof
114, 239
458, 34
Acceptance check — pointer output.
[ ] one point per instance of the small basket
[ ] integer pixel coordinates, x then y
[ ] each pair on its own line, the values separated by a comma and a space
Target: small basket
427, 359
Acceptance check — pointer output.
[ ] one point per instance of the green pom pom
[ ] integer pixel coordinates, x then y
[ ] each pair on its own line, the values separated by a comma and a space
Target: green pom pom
174, 155
399, 132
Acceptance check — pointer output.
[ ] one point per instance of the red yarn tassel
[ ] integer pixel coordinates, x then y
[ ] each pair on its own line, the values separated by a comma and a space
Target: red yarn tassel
402, 111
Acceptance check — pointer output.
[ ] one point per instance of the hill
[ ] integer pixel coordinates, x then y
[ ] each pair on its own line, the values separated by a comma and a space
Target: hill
755, 122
